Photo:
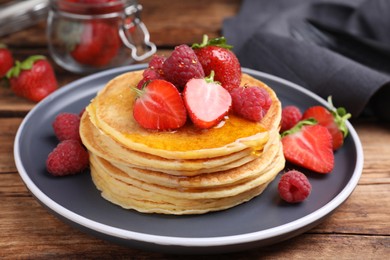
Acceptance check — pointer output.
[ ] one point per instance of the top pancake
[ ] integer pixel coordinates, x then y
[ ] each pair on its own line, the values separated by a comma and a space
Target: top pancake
111, 111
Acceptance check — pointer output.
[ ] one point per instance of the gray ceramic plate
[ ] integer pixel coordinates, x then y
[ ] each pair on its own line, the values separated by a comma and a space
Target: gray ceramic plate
262, 221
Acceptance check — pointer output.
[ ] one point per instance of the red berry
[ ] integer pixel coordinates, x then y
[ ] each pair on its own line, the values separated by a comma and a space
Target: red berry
215, 55
154, 71
66, 126
98, 44
309, 145
69, 157
251, 103
159, 106
7, 60
206, 101
294, 186
291, 115
34, 78
181, 66
333, 119
156, 63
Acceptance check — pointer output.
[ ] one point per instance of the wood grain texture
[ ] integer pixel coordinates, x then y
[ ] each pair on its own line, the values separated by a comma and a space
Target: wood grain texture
187, 21
358, 229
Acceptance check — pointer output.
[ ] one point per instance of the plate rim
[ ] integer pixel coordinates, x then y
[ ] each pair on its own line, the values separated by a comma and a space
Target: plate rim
165, 240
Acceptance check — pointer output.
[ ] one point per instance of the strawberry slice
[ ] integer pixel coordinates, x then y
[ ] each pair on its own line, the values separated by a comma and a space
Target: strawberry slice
206, 101
334, 119
159, 106
309, 145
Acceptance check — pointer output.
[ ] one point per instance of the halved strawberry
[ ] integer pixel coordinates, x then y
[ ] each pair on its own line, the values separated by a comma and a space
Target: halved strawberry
159, 106
206, 101
309, 145
333, 119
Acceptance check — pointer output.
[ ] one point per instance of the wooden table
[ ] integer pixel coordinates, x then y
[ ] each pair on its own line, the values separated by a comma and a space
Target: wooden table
359, 229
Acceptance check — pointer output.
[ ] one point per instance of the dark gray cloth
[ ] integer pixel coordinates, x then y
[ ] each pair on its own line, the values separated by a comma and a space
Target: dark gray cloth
331, 47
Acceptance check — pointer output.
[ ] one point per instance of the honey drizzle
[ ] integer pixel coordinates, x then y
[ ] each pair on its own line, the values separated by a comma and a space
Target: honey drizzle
190, 137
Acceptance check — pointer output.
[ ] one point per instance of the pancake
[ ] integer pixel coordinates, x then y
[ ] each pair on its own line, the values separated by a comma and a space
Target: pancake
129, 193
104, 146
111, 112
186, 171
208, 180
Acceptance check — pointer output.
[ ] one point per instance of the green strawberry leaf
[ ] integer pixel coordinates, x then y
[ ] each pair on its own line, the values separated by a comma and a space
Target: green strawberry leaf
29, 62
14, 71
219, 42
69, 33
340, 116
298, 126
24, 65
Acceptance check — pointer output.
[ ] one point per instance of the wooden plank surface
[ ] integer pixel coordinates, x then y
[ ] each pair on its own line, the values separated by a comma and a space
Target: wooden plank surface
358, 229
361, 222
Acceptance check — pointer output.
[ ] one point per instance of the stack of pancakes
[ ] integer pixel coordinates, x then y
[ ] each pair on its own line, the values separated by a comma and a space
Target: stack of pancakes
186, 171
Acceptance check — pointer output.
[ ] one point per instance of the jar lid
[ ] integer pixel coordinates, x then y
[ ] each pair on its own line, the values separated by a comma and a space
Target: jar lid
17, 15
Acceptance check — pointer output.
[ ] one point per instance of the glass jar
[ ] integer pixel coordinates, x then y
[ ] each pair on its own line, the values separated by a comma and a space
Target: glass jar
85, 38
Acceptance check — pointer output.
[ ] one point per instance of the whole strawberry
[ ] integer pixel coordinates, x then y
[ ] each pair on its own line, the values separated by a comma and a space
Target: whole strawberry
333, 119
309, 145
6, 60
33, 78
181, 66
69, 157
251, 102
98, 44
216, 55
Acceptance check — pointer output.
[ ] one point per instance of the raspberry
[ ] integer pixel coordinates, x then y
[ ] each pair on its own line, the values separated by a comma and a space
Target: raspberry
291, 115
154, 71
181, 66
156, 63
294, 186
251, 103
66, 126
69, 157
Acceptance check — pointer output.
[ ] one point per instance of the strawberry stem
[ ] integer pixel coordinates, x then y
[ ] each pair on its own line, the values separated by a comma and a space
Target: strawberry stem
29, 62
219, 42
340, 116
298, 126
139, 92
210, 78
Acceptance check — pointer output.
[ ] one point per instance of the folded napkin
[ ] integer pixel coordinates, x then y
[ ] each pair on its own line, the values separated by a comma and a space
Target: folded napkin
331, 47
